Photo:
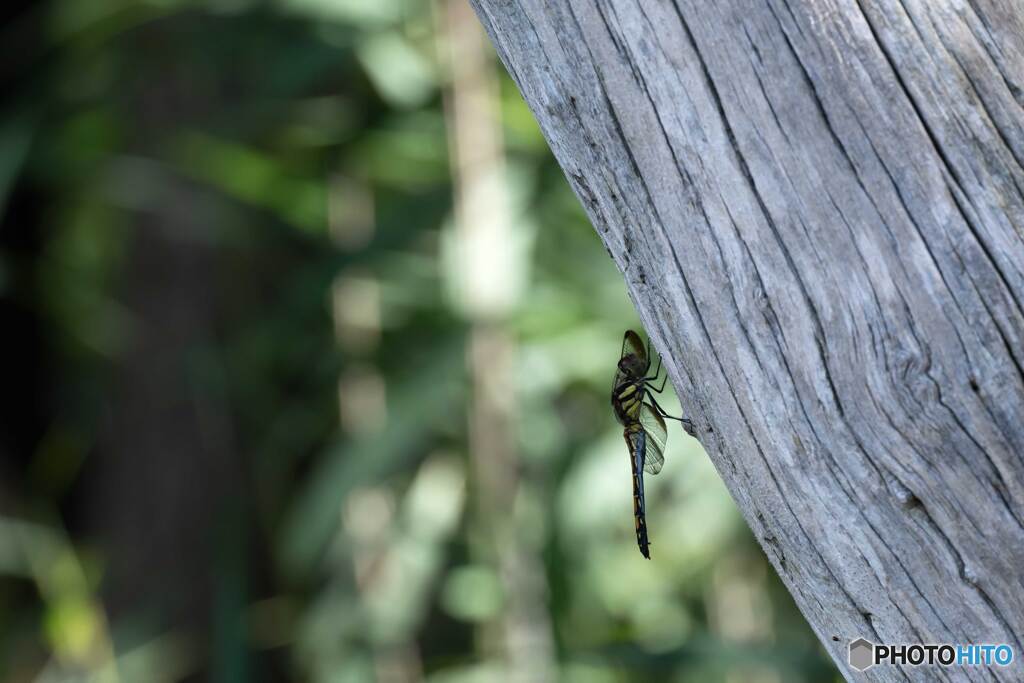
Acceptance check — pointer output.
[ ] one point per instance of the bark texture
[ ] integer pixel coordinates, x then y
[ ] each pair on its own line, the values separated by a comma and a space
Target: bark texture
819, 211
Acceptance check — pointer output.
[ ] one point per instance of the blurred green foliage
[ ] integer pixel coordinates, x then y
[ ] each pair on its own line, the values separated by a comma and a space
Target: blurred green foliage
238, 390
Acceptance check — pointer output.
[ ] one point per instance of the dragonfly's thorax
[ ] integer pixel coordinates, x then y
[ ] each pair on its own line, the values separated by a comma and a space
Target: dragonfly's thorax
627, 399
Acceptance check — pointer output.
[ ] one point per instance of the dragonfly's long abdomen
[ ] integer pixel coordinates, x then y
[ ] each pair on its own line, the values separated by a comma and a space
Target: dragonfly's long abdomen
637, 441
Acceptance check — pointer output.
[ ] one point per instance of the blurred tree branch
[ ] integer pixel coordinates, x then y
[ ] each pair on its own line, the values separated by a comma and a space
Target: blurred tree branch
488, 279
818, 210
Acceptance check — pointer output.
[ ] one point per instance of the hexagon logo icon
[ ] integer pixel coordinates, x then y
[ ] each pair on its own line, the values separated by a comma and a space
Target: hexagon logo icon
862, 654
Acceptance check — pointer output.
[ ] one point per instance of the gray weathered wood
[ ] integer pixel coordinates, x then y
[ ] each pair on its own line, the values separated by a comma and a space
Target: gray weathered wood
819, 211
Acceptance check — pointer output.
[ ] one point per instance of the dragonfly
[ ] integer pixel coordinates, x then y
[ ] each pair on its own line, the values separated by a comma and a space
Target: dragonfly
637, 410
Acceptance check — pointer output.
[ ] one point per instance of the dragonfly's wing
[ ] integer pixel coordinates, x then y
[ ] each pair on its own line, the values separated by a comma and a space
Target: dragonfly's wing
637, 441
657, 436
631, 346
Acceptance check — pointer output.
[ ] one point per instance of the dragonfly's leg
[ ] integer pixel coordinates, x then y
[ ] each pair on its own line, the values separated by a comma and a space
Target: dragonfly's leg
662, 387
685, 422
655, 375
649, 361
658, 409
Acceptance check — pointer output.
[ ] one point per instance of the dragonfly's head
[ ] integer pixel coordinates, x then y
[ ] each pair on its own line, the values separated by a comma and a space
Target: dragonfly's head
631, 366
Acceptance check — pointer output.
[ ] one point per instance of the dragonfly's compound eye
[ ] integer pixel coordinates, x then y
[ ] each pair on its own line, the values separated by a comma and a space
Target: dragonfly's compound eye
631, 365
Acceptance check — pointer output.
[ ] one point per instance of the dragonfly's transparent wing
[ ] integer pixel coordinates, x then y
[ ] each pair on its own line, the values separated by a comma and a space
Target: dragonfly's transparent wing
657, 436
631, 346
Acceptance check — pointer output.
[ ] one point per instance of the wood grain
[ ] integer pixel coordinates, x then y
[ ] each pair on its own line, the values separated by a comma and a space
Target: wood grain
818, 208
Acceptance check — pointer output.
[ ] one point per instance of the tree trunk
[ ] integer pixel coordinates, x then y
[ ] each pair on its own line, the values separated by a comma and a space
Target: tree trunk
819, 211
